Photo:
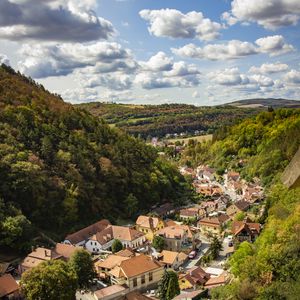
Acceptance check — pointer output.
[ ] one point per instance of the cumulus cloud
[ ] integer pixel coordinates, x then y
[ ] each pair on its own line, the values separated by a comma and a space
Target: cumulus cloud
269, 68
160, 71
63, 59
175, 24
116, 81
270, 14
80, 95
52, 20
292, 77
233, 78
4, 59
272, 45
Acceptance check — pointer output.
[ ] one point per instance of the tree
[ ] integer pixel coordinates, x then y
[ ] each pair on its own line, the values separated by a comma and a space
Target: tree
158, 243
131, 204
81, 262
240, 216
116, 246
50, 280
215, 247
168, 286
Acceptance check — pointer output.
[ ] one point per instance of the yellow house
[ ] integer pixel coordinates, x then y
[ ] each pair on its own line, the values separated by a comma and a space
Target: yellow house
138, 273
149, 226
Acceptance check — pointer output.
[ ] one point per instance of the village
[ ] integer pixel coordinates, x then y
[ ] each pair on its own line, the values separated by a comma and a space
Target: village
195, 241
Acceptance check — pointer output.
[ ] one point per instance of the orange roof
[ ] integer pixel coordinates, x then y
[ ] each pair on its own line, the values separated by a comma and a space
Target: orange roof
65, 250
136, 296
217, 281
172, 232
139, 265
110, 262
215, 221
8, 285
238, 226
87, 232
169, 257
116, 232
148, 222
126, 253
111, 290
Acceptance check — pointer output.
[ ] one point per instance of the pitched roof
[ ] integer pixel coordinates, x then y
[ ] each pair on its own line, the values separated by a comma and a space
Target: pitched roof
238, 226
87, 232
116, 232
8, 285
147, 222
110, 262
188, 295
172, 232
139, 265
111, 290
65, 250
169, 257
38, 256
242, 205
217, 281
126, 253
189, 212
196, 275
136, 296
214, 221
233, 175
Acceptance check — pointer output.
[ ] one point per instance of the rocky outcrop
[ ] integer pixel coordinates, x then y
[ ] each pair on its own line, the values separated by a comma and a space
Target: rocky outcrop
291, 175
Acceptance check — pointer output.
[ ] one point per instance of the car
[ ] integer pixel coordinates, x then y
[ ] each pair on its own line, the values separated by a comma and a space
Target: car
192, 254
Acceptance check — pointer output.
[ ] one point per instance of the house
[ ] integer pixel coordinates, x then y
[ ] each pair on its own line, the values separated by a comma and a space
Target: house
212, 225
237, 207
138, 273
205, 172
232, 176
253, 194
172, 259
103, 267
65, 250
103, 240
209, 206
193, 278
164, 210
80, 237
126, 253
38, 256
174, 237
149, 226
210, 190
220, 280
222, 202
112, 292
189, 213
9, 289
245, 231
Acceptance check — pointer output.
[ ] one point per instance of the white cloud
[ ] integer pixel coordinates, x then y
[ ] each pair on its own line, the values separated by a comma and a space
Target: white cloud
52, 20
269, 68
80, 95
196, 94
270, 14
158, 62
272, 45
57, 60
4, 59
175, 24
292, 77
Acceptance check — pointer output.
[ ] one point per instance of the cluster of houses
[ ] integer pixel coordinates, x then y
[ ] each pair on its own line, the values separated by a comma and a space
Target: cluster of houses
139, 267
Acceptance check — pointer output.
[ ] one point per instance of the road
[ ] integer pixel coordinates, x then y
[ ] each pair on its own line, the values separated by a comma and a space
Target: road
192, 262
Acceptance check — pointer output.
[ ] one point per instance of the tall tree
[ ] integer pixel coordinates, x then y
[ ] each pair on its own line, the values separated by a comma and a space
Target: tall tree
158, 243
81, 262
168, 286
215, 247
51, 280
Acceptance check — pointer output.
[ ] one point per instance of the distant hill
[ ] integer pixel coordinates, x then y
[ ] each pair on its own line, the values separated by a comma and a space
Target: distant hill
263, 103
159, 120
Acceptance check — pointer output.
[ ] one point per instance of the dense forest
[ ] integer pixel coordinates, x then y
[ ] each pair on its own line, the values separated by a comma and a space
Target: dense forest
61, 168
148, 121
262, 147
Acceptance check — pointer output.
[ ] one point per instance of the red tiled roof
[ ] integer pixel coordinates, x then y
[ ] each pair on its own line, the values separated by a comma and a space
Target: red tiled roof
8, 285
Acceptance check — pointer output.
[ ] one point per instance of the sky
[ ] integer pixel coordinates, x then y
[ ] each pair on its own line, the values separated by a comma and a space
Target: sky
201, 52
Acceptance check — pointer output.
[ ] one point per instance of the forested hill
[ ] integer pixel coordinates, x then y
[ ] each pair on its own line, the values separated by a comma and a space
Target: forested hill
61, 168
158, 120
262, 147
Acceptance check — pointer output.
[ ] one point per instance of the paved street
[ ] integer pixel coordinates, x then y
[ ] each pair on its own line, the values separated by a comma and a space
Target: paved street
192, 262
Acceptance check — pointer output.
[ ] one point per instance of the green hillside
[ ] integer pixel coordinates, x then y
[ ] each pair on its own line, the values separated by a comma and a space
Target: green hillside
61, 168
262, 147
158, 120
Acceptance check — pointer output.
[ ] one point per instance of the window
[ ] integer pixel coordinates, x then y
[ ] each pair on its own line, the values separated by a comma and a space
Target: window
143, 279
150, 276
134, 282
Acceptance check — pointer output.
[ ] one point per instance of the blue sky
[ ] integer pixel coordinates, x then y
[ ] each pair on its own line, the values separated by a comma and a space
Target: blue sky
202, 52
